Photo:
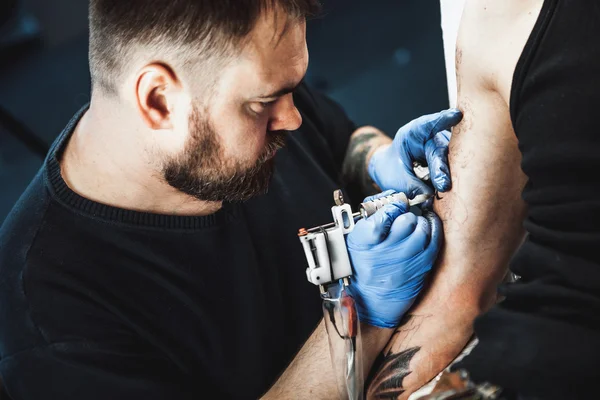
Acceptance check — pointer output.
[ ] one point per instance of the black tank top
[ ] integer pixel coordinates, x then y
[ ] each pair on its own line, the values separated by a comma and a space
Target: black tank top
544, 338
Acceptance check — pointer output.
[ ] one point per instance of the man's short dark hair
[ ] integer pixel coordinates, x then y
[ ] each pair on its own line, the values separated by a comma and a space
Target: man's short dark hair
201, 29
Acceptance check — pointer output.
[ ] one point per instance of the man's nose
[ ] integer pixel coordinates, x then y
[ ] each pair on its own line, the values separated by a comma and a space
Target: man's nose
285, 116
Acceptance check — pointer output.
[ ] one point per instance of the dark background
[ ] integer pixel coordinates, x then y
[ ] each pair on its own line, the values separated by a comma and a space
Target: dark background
381, 59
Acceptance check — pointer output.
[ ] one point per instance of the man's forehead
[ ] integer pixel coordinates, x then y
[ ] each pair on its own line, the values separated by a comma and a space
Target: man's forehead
278, 79
279, 58
272, 27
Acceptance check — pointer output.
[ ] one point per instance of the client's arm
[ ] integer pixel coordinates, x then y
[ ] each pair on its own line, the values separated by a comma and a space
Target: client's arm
482, 214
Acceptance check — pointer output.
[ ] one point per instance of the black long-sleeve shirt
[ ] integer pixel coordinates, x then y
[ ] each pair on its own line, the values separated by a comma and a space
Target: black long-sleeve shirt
98, 302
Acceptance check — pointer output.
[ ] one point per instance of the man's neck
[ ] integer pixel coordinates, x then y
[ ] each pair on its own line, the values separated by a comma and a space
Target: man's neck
106, 162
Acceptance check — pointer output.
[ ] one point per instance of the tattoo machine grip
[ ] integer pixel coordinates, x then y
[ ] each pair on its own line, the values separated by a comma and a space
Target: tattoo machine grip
370, 207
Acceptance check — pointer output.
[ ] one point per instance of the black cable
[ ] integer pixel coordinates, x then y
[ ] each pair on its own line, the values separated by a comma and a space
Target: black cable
23, 133
330, 307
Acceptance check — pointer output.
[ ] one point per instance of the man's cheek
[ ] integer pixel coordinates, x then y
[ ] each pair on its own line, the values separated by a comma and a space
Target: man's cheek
253, 143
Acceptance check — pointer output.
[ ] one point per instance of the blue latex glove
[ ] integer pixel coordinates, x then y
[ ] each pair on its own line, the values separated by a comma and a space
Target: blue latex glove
424, 139
391, 253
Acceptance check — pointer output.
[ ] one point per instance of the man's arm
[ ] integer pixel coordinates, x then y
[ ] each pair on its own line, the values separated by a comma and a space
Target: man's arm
310, 375
363, 143
483, 212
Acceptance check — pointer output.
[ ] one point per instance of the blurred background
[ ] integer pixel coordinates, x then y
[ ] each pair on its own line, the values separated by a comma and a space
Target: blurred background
382, 60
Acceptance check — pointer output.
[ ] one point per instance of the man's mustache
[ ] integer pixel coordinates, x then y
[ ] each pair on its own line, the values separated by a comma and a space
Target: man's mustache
275, 141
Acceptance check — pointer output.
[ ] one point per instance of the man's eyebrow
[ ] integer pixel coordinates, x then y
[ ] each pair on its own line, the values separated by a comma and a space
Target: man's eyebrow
281, 92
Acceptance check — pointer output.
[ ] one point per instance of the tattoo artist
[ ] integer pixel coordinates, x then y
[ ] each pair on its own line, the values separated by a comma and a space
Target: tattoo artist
154, 255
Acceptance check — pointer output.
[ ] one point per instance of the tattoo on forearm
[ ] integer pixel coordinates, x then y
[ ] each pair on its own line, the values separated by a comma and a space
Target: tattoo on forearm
394, 365
389, 382
354, 169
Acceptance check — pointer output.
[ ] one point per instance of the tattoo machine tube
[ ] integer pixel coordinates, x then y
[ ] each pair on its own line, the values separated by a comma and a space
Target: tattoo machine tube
343, 330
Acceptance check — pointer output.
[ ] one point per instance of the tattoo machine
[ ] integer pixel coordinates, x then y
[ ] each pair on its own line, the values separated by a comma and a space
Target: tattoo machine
329, 268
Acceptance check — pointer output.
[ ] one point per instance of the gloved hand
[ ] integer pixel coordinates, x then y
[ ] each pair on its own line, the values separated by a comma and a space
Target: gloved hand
424, 139
391, 253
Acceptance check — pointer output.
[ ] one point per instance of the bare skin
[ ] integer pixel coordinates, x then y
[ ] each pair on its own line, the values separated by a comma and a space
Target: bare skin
483, 213
308, 377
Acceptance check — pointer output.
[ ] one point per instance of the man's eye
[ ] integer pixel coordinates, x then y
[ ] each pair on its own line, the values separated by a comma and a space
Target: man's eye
266, 104
260, 106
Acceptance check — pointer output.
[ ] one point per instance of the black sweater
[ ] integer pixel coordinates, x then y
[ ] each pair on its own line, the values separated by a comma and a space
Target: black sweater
103, 303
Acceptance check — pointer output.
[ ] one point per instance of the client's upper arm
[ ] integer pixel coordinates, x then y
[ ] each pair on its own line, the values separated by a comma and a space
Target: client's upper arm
482, 214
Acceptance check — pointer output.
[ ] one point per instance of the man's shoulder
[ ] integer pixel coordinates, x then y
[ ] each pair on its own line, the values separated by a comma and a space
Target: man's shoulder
38, 240
491, 38
17, 235
22, 223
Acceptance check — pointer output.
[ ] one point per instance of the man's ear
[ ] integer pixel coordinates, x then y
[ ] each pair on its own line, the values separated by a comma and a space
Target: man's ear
157, 90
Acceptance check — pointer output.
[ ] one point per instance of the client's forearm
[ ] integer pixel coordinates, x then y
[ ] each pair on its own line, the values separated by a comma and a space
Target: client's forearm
436, 329
427, 340
462, 286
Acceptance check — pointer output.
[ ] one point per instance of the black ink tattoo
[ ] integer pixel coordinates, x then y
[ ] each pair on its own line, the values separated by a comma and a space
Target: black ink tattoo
354, 169
393, 366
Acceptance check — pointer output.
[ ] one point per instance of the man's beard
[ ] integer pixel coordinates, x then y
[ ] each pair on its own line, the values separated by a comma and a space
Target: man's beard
202, 172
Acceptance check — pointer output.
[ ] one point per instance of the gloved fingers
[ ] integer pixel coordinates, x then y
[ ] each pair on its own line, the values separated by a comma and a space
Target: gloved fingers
413, 243
437, 234
413, 136
436, 154
414, 186
379, 195
422, 235
428, 204
442, 121
403, 227
447, 134
406, 182
374, 229
384, 157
